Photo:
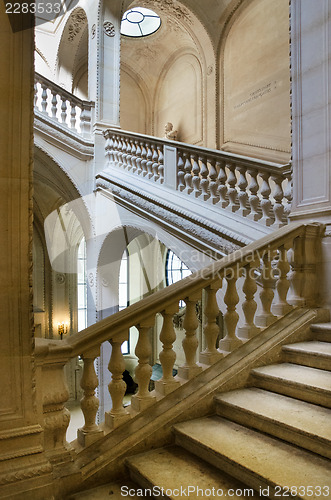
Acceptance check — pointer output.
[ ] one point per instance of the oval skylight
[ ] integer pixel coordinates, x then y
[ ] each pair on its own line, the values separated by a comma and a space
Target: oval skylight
139, 22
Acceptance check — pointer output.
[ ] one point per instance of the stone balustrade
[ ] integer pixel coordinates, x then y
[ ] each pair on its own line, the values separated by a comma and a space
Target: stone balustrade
256, 189
272, 276
61, 106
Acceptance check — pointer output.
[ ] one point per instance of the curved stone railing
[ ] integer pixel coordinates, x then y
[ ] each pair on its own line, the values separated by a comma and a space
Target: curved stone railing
61, 106
256, 189
284, 265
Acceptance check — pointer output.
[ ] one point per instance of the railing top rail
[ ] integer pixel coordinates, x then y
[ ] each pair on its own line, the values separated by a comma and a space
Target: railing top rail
136, 313
63, 92
256, 163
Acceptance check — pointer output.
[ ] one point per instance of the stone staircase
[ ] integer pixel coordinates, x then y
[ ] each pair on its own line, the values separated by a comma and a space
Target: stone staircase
262, 441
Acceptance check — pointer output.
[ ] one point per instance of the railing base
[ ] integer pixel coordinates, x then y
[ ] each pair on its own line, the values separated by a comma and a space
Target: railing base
86, 438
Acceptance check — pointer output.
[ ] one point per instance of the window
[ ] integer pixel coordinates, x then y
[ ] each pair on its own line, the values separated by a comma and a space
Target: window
123, 291
139, 21
82, 286
175, 270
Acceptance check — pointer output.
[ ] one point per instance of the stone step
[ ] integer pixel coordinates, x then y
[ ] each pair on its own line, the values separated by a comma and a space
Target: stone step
300, 382
294, 421
111, 491
315, 354
322, 331
261, 462
176, 470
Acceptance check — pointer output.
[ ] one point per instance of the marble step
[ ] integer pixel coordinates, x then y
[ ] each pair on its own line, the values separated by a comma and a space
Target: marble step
110, 491
322, 331
301, 382
180, 474
315, 354
261, 462
291, 420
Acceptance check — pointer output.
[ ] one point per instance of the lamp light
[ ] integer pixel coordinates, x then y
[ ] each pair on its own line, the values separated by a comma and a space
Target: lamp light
62, 329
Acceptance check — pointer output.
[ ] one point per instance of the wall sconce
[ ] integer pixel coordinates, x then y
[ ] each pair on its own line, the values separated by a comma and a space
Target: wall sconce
62, 329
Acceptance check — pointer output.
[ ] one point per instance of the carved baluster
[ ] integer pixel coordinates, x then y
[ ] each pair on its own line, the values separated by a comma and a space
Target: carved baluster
143, 371
265, 202
180, 171
161, 165
109, 153
119, 151
117, 387
64, 110
188, 174
73, 117
44, 99
90, 432
133, 156
278, 207
86, 119
149, 163
231, 317
144, 159
281, 307
129, 154
222, 187
54, 105
196, 176
254, 200
35, 101
124, 153
288, 197
249, 329
266, 318
155, 163
232, 190
167, 356
204, 184
115, 150
190, 342
139, 159
211, 330
213, 184
242, 195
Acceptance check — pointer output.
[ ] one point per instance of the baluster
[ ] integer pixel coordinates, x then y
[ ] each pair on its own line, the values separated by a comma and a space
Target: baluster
155, 164
231, 317
213, 184
278, 207
117, 387
161, 165
90, 432
124, 155
254, 200
139, 159
266, 318
211, 330
204, 184
54, 105
196, 176
265, 202
86, 119
44, 99
115, 143
249, 329
188, 174
222, 187
64, 110
119, 151
232, 191
73, 117
129, 154
143, 399
190, 342
35, 97
143, 159
133, 156
242, 195
149, 163
288, 196
281, 307
167, 356
180, 171
109, 151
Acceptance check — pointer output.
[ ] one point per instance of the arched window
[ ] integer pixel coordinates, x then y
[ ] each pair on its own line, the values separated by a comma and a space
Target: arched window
81, 286
123, 291
175, 270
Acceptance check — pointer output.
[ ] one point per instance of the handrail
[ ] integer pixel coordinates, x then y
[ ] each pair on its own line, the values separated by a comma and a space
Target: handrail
286, 259
60, 90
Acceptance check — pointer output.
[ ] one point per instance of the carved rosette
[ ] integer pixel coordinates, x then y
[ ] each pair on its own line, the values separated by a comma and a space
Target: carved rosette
109, 28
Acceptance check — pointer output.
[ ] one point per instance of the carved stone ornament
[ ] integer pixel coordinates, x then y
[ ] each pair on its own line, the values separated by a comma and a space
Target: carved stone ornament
91, 279
60, 278
93, 31
78, 20
109, 28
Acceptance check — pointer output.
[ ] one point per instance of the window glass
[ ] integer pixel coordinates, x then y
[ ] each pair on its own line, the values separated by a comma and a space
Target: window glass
81, 285
176, 270
139, 21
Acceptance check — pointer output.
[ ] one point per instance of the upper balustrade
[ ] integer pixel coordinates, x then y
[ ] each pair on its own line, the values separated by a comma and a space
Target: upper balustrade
252, 188
62, 107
